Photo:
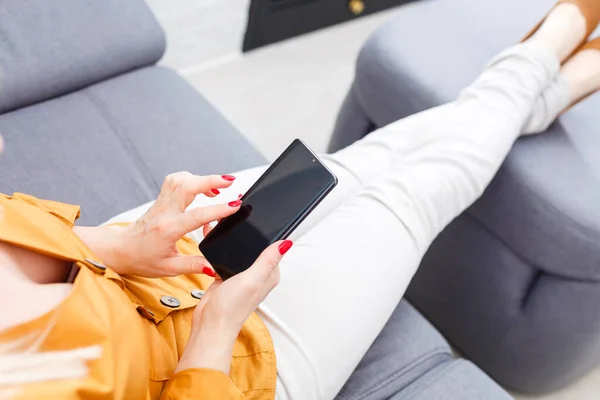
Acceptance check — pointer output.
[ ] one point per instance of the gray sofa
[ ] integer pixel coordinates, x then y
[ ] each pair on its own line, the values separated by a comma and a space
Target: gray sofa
88, 118
514, 282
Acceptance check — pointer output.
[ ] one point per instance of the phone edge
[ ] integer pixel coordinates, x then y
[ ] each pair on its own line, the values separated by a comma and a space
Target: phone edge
284, 235
305, 214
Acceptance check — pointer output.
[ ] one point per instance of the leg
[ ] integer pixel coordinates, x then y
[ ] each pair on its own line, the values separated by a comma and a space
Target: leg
343, 279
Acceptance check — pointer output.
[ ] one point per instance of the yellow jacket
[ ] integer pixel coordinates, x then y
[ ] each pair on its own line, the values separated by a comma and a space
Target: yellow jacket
141, 338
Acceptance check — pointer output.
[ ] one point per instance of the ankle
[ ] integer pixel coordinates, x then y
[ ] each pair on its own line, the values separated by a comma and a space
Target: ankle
548, 106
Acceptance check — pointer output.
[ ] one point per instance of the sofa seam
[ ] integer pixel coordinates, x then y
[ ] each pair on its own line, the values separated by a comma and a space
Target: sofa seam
438, 351
531, 287
125, 142
445, 369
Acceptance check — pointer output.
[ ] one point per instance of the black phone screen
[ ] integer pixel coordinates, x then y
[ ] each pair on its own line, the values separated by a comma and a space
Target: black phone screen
282, 197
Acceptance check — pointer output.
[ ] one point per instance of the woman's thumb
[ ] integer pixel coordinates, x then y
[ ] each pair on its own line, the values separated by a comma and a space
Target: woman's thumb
270, 257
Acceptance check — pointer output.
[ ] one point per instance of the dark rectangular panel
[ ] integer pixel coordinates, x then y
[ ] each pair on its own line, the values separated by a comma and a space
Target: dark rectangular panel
275, 20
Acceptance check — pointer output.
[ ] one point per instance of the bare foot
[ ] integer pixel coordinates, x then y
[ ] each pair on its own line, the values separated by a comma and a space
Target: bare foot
563, 30
582, 74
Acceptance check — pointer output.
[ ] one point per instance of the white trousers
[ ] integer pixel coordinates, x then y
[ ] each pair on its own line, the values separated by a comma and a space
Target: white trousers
354, 257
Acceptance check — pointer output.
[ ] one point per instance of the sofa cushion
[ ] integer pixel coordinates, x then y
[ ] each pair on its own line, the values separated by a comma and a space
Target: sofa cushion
170, 127
407, 348
49, 48
108, 147
65, 150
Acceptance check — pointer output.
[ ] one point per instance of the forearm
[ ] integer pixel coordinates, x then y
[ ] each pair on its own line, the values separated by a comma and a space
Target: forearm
209, 349
109, 244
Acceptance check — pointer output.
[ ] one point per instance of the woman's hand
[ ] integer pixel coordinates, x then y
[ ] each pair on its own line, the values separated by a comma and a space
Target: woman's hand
225, 307
148, 247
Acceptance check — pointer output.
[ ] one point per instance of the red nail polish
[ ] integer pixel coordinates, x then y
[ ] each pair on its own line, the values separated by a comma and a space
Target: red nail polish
215, 191
285, 246
235, 203
240, 196
208, 271
228, 177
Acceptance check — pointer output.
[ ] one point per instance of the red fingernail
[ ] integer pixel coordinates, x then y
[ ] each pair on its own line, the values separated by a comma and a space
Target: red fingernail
285, 246
235, 203
228, 177
240, 196
208, 271
215, 191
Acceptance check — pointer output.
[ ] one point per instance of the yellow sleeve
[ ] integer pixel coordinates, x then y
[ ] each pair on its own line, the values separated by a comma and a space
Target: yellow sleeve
201, 383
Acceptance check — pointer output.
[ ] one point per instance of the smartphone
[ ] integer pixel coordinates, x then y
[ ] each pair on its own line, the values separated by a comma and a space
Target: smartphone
271, 210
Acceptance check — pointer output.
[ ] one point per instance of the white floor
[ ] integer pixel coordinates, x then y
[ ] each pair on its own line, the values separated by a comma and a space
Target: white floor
287, 90
294, 89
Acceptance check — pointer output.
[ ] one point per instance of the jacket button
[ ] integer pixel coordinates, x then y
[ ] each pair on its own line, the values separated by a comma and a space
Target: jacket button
95, 263
197, 293
170, 301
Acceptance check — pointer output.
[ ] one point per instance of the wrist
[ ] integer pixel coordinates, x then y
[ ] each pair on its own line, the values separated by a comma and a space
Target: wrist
121, 257
111, 243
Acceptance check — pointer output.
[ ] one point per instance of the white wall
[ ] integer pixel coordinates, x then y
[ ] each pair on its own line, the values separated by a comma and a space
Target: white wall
200, 32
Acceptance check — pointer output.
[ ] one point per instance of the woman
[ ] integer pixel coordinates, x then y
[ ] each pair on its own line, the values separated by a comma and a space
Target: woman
77, 329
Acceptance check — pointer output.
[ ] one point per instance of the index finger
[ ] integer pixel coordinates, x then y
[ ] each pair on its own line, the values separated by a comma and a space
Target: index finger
193, 185
195, 218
